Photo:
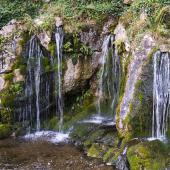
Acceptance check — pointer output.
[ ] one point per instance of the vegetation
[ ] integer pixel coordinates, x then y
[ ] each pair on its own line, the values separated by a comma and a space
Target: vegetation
5, 130
15, 9
148, 155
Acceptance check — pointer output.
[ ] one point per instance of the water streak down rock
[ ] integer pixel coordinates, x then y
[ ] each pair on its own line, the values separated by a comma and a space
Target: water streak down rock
36, 84
59, 34
35, 54
110, 74
161, 94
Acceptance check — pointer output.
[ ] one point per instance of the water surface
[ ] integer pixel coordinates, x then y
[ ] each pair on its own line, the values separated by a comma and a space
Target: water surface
42, 155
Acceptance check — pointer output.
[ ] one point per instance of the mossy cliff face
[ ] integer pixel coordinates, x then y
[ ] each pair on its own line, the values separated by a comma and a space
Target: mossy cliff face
149, 155
136, 105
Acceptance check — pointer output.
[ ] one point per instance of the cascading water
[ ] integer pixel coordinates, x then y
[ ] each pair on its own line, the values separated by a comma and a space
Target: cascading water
105, 52
33, 79
58, 82
161, 94
109, 81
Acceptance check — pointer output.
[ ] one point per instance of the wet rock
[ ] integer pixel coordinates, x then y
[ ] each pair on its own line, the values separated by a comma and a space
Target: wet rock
2, 83
121, 36
122, 163
138, 71
91, 38
44, 39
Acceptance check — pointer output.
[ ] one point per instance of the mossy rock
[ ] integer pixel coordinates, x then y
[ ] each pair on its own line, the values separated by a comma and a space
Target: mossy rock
96, 150
148, 155
5, 130
82, 131
94, 137
51, 124
111, 155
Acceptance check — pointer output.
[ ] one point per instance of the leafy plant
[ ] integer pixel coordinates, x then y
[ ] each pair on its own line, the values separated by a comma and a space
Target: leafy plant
10, 9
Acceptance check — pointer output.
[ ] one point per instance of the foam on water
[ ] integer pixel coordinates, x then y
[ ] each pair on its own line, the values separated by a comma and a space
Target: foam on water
98, 119
161, 138
50, 136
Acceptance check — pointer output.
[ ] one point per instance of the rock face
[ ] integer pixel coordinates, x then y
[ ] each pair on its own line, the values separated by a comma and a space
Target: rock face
2, 83
136, 74
18, 77
11, 48
78, 75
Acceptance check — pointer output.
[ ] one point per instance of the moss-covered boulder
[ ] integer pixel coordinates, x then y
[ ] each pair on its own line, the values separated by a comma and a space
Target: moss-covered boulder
96, 150
5, 130
149, 156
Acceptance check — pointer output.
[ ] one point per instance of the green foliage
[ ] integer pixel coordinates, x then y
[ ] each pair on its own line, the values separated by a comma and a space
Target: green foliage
46, 64
81, 101
148, 6
10, 9
8, 94
7, 99
51, 124
9, 77
148, 155
76, 14
95, 151
2, 41
5, 130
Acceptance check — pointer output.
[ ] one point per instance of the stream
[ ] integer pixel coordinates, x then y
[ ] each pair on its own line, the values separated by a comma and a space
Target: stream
18, 154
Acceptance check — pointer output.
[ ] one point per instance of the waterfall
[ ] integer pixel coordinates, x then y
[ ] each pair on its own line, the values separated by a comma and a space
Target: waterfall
105, 53
34, 55
59, 101
109, 81
37, 90
161, 94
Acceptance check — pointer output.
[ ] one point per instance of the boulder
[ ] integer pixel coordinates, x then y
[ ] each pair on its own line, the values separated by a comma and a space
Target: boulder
76, 76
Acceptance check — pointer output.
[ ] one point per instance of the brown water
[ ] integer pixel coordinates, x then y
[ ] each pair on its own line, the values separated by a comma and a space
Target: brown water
40, 155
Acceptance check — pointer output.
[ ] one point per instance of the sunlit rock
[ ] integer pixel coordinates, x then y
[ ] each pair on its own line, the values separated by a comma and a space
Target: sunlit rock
58, 22
18, 77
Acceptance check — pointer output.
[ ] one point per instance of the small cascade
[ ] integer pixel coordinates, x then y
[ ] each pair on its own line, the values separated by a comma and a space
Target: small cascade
110, 75
33, 80
58, 82
161, 94
105, 53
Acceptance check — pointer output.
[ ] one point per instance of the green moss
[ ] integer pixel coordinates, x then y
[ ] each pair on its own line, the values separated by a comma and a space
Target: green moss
148, 155
81, 132
51, 124
138, 120
108, 155
9, 77
52, 49
9, 94
46, 64
5, 130
20, 64
80, 108
93, 137
151, 54
168, 133
25, 38
95, 151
